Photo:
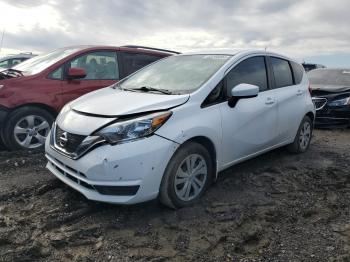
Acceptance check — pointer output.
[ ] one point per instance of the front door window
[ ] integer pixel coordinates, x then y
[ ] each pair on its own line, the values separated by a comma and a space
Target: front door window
98, 65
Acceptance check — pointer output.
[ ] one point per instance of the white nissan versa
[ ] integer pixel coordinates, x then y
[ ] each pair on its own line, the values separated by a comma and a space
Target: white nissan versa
168, 129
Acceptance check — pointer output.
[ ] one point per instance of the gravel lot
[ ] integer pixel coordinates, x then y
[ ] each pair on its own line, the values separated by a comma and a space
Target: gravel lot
277, 207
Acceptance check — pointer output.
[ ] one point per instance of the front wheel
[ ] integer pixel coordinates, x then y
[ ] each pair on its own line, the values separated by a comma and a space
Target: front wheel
303, 138
187, 176
27, 128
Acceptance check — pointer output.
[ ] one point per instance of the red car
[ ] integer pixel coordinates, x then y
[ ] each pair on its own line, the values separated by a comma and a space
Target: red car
33, 92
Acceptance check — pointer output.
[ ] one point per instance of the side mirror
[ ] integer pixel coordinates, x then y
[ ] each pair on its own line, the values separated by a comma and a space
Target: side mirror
76, 73
242, 91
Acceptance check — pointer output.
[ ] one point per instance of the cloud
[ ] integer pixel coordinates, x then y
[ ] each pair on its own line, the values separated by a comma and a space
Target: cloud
297, 28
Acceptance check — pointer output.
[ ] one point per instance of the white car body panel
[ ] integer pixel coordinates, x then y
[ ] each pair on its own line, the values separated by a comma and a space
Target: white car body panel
114, 102
81, 124
248, 127
254, 126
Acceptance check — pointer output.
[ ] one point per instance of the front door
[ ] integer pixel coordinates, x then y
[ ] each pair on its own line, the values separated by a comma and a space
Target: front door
251, 125
101, 70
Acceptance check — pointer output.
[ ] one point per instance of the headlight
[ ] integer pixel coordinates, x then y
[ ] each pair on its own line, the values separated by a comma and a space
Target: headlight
134, 129
340, 102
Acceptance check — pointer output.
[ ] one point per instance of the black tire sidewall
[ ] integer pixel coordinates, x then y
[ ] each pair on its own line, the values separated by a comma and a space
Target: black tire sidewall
296, 141
7, 133
176, 160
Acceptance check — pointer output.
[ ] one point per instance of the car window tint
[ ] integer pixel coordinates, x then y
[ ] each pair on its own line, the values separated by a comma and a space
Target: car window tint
133, 61
250, 71
4, 64
282, 72
15, 61
98, 65
57, 74
215, 96
298, 71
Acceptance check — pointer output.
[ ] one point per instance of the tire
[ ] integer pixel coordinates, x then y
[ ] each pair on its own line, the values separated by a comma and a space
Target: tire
32, 124
196, 183
2, 145
303, 137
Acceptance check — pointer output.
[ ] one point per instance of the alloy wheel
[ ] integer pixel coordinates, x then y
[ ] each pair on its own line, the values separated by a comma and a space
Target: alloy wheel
305, 135
191, 177
31, 131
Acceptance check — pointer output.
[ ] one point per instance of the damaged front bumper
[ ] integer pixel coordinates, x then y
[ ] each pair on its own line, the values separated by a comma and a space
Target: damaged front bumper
122, 174
333, 117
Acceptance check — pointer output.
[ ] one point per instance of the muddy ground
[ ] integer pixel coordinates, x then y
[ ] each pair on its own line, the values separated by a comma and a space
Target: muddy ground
277, 207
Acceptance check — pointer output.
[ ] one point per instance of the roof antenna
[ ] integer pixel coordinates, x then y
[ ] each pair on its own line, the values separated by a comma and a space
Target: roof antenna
265, 49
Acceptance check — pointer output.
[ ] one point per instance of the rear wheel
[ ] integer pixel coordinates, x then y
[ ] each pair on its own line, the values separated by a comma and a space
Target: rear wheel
27, 128
187, 176
303, 138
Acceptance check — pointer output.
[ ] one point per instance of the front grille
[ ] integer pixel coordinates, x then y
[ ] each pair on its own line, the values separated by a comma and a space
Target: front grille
319, 102
72, 141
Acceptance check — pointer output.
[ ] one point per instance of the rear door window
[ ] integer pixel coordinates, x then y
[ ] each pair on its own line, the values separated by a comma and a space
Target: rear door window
98, 65
250, 71
134, 61
298, 72
282, 72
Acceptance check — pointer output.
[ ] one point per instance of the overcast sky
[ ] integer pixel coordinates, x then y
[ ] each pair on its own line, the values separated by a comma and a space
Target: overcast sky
298, 28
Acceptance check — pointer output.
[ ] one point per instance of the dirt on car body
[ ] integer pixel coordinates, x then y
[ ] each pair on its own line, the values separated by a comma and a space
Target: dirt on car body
277, 207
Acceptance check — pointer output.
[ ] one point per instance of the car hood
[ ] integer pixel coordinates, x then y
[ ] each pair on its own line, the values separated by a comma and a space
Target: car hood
330, 88
112, 102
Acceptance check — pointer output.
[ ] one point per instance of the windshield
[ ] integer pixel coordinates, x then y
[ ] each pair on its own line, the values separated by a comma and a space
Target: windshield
330, 77
41, 62
176, 74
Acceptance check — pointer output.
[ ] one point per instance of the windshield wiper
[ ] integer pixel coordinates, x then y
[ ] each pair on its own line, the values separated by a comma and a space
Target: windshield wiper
13, 71
149, 89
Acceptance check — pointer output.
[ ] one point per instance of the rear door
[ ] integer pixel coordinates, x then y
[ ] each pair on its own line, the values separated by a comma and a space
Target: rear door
101, 70
290, 95
250, 126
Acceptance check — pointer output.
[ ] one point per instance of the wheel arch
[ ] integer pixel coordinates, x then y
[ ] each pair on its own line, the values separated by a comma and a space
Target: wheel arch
49, 109
209, 145
311, 115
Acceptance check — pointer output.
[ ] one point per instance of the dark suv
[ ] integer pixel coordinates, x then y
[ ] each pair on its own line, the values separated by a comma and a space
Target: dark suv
33, 92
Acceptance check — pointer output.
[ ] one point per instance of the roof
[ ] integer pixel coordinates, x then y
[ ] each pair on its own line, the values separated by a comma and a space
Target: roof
129, 48
234, 52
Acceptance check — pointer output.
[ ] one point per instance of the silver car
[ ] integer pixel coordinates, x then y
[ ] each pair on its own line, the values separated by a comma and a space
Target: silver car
12, 60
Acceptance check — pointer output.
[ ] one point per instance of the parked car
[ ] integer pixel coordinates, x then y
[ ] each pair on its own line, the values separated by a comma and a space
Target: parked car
12, 60
34, 91
309, 66
331, 95
168, 129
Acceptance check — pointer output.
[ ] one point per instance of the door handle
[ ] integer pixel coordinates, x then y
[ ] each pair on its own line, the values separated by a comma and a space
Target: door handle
269, 101
300, 92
